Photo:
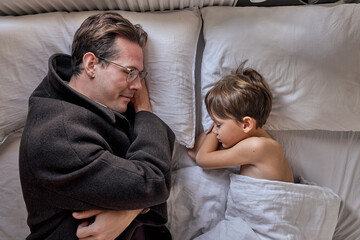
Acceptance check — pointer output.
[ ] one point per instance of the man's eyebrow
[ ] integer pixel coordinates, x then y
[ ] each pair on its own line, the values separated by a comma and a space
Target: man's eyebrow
133, 67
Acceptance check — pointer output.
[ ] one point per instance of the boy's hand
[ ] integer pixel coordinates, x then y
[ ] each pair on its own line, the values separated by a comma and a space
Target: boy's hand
198, 142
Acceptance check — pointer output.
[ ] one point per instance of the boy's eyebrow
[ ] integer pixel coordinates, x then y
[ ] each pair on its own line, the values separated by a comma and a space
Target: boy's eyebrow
216, 122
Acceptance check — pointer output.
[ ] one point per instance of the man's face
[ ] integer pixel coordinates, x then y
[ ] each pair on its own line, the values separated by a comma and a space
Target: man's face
111, 87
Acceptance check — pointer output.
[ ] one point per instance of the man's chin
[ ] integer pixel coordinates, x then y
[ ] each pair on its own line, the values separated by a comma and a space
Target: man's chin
119, 109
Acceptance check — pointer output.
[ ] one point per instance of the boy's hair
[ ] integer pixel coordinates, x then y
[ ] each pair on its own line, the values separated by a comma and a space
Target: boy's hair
97, 34
239, 94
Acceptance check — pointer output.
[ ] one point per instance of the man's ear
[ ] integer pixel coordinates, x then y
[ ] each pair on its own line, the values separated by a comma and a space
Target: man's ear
89, 64
249, 123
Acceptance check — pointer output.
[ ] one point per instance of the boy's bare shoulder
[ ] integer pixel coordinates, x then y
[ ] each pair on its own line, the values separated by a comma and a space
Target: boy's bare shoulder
262, 143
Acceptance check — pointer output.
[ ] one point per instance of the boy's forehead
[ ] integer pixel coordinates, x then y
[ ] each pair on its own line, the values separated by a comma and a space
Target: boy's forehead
216, 118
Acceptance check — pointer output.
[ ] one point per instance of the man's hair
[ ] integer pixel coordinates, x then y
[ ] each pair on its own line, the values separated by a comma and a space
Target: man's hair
239, 94
97, 34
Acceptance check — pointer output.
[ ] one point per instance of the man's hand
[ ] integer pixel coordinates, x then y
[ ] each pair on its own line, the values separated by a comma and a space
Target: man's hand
141, 101
107, 225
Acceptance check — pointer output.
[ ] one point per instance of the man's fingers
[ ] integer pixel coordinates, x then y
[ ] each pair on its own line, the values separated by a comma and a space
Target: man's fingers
83, 231
86, 214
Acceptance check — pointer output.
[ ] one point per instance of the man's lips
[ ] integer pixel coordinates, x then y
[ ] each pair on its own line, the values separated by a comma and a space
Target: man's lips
127, 97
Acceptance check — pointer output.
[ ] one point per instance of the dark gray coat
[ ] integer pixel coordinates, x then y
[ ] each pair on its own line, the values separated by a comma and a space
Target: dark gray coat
78, 155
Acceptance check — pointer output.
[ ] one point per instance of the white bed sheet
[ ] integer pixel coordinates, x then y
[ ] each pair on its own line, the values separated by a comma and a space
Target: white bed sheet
268, 210
12, 207
327, 158
330, 159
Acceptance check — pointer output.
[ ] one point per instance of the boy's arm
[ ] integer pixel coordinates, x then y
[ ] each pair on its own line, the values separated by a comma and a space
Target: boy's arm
198, 142
245, 152
208, 152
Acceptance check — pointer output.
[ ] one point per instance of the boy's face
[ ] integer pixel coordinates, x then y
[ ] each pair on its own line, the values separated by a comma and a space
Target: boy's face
228, 131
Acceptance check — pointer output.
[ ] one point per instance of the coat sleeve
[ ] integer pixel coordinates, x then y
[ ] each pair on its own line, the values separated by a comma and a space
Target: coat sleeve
81, 174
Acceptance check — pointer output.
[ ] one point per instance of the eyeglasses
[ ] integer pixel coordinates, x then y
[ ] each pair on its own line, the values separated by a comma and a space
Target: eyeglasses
132, 73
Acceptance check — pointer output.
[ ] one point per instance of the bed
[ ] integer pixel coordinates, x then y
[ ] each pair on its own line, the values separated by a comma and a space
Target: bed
310, 56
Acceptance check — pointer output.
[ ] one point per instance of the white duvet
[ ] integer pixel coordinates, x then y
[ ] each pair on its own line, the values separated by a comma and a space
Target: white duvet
222, 205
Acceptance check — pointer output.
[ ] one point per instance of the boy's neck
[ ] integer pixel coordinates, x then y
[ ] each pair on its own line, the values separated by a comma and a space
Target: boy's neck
259, 132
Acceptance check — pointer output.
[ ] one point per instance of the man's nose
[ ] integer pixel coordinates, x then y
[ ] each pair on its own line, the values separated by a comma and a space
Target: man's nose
136, 84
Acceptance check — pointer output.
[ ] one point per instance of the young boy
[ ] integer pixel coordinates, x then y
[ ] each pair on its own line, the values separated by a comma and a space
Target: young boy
239, 104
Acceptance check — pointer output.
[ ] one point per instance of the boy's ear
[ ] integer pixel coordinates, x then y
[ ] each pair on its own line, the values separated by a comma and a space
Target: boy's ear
89, 64
249, 123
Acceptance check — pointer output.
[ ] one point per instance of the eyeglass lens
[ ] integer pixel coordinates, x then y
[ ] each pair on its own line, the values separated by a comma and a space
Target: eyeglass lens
134, 73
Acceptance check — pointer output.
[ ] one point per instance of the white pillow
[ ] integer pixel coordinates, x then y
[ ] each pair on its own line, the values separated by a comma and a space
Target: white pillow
310, 56
26, 44
28, 41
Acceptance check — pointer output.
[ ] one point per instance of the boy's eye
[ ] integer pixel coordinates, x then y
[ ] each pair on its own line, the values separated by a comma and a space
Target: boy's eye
218, 125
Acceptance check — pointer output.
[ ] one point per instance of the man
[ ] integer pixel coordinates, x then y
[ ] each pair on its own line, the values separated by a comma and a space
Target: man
94, 159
